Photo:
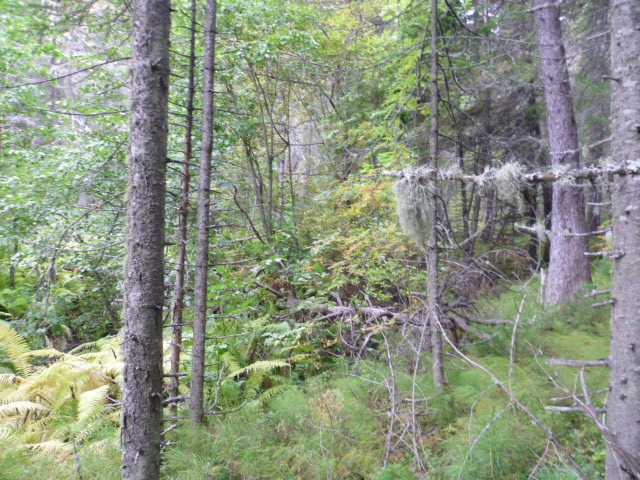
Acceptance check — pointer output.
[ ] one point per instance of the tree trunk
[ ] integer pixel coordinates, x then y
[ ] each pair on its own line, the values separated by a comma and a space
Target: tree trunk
183, 218
568, 267
623, 405
196, 411
144, 273
432, 248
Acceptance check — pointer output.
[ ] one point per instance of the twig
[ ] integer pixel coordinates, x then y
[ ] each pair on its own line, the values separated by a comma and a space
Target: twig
251, 225
220, 337
602, 304
595, 293
172, 427
224, 412
512, 353
6, 87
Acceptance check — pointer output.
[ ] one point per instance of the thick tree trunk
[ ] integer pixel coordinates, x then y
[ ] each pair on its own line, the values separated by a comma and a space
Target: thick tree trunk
144, 274
568, 266
623, 405
196, 411
183, 218
432, 247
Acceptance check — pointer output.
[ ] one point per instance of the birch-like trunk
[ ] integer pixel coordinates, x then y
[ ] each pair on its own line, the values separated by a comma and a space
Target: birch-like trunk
144, 274
568, 266
196, 411
623, 405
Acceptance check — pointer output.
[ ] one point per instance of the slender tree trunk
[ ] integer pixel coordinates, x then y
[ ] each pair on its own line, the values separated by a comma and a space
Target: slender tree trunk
623, 405
204, 200
568, 266
144, 274
432, 248
487, 162
183, 217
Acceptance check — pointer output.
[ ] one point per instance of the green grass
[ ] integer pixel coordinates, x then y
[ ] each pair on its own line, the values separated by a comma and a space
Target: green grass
333, 426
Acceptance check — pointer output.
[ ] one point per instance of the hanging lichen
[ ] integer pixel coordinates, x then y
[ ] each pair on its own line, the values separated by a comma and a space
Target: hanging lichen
509, 183
412, 207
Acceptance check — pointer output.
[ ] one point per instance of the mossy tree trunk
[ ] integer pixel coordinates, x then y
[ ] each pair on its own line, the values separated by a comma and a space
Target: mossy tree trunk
144, 274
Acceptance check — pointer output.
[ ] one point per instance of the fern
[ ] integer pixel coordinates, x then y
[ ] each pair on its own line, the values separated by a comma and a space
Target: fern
15, 347
49, 353
231, 362
22, 409
265, 365
92, 402
97, 345
9, 380
53, 447
273, 392
254, 384
50, 404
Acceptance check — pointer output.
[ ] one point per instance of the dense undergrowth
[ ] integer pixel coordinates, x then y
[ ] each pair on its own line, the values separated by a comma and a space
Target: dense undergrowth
329, 418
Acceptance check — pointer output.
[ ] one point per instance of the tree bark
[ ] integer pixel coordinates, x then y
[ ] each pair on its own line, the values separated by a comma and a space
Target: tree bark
624, 398
183, 218
196, 411
568, 266
432, 248
144, 271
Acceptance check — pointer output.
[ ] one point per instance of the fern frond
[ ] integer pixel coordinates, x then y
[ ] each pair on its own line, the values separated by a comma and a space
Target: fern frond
97, 345
40, 431
274, 392
92, 402
10, 380
265, 365
10, 396
51, 353
15, 346
86, 432
231, 362
21, 409
279, 379
254, 384
52, 447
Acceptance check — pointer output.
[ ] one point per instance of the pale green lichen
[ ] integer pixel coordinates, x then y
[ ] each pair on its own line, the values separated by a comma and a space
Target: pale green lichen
412, 208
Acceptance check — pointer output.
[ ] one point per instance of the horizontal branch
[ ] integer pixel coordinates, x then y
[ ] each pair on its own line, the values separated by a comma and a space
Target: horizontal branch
588, 234
603, 362
220, 337
554, 408
602, 304
571, 397
595, 293
492, 175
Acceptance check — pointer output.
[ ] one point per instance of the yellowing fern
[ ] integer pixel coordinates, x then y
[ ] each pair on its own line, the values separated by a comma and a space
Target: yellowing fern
92, 402
62, 400
21, 409
15, 347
